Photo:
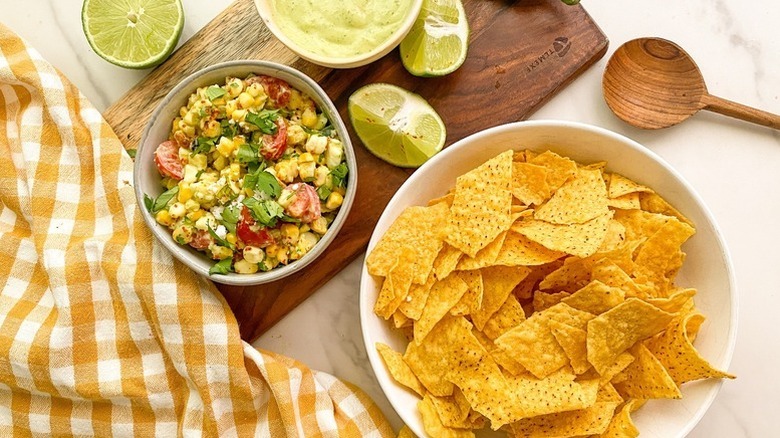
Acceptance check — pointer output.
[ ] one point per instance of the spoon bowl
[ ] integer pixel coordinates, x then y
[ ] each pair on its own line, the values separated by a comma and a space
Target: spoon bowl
653, 83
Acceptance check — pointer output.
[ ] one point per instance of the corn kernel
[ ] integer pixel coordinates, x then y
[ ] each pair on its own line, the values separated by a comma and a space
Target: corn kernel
255, 90
182, 111
296, 135
235, 171
234, 87
220, 162
287, 170
195, 215
253, 254
238, 115
192, 205
189, 131
334, 201
205, 222
305, 158
164, 218
245, 100
304, 228
191, 118
320, 225
169, 183
290, 233
200, 161
231, 106
230, 237
321, 176
182, 234
212, 129
220, 252
177, 210
322, 120
244, 267
306, 171
226, 146
335, 153
309, 118
316, 144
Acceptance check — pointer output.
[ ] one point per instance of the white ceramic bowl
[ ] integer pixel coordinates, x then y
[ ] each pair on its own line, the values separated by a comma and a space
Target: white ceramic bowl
707, 266
265, 9
147, 179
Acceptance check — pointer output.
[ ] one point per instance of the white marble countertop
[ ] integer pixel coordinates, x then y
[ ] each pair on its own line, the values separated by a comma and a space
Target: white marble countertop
733, 165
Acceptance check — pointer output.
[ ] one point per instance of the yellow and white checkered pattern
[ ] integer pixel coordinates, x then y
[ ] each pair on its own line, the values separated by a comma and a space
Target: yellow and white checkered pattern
102, 332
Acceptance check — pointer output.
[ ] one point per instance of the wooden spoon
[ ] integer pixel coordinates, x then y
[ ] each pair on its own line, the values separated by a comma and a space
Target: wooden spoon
653, 83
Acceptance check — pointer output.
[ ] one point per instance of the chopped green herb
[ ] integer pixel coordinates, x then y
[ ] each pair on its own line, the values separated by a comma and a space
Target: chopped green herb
338, 174
132, 152
214, 92
247, 153
162, 201
267, 183
230, 217
222, 267
264, 120
220, 241
148, 203
265, 212
328, 131
226, 192
228, 129
323, 192
203, 145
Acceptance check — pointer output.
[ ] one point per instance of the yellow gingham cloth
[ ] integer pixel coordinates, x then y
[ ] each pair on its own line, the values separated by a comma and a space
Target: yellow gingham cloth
102, 332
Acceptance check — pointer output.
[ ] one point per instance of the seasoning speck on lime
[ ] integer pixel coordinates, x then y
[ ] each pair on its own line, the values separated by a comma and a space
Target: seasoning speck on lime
396, 125
133, 33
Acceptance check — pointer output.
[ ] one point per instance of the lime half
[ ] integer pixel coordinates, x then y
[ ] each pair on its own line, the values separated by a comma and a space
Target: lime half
396, 125
438, 42
133, 33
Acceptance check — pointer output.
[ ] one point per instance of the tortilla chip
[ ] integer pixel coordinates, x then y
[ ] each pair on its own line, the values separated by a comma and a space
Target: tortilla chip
660, 253
588, 421
560, 169
485, 257
433, 424
614, 238
430, 360
396, 286
405, 432
654, 203
497, 354
472, 299
525, 289
581, 240
417, 229
400, 320
443, 296
577, 201
529, 183
675, 350
518, 250
451, 413
595, 298
629, 201
616, 330
573, 342
498, 282
676, 302
399, 370
412, 306
508, 316
620, 186
571, 276
446, 261
646, 377
544, 300
640, 224
621, 425
607, 272
446, 199
481, 208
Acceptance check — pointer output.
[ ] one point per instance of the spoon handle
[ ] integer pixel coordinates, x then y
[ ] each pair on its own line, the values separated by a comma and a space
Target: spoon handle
739, 111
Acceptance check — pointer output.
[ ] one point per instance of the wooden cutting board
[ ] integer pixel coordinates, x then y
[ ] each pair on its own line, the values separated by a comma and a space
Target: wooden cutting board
520, 54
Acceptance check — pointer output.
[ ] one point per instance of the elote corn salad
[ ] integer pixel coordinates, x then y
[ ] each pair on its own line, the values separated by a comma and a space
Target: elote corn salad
254, 174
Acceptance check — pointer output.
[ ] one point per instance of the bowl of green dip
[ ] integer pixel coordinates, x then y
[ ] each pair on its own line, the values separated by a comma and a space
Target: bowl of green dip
339, 33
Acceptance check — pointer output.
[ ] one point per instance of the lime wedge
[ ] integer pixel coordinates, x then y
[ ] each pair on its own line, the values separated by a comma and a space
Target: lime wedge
438, 42
396, 125
133, 33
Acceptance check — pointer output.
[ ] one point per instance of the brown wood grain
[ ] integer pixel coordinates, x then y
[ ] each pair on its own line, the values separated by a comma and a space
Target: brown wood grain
520, 54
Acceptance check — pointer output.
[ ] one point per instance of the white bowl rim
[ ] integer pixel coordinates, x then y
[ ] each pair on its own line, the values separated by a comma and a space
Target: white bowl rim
373, 356
266, 14
275, 274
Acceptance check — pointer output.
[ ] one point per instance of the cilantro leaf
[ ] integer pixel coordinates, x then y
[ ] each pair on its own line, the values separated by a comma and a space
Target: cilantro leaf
265, 212
162, 201
203, 145
264, 120
132, 152
247, 153
222, 267
228, 129
230, 216
215, 92
220, 241
148, 203
267, 183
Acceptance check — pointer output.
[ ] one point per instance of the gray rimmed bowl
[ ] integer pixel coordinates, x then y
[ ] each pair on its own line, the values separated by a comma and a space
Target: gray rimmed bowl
146, 178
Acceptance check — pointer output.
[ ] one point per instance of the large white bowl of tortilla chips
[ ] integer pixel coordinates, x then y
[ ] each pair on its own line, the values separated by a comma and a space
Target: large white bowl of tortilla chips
548, 297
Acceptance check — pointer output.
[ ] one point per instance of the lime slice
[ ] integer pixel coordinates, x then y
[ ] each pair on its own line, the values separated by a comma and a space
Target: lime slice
438, 41
396, 125
133, 33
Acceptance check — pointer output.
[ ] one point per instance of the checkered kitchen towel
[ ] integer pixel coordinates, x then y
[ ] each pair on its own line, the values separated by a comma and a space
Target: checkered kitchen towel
102, 332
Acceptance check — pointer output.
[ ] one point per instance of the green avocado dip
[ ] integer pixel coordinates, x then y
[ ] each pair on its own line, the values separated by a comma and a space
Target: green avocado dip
339, 28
